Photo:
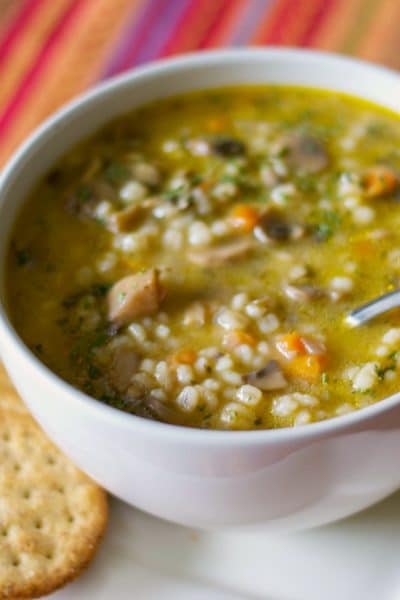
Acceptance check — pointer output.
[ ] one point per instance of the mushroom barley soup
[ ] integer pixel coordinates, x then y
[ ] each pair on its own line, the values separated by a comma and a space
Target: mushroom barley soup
193, 261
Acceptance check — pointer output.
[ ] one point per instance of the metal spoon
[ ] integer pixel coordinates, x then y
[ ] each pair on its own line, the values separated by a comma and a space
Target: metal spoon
373, 309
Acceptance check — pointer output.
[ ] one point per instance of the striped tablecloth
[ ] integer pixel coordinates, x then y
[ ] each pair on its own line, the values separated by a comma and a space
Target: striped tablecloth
50, 50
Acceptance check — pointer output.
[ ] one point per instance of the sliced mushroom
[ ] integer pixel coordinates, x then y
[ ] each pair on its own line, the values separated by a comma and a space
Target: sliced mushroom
143, 403
135, 295
195, 314
84, 199
269, 377
147, 174
303, 293
124, 364
218, 255
273, 227
228, 147
306, 153
124, 220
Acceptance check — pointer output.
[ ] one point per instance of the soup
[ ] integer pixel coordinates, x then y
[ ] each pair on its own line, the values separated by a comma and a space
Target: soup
194, 260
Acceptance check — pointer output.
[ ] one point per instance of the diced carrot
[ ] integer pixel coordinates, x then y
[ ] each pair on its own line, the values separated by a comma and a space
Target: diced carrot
244, 217
237, 337
364, 248
307, 367
290, 344
379, 181
185, 355
216, 124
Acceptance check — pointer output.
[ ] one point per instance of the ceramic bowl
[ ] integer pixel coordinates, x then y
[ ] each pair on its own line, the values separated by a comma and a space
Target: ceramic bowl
287, 478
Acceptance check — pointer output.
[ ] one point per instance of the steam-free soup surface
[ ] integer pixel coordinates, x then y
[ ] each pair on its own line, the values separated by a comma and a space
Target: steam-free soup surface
194, 260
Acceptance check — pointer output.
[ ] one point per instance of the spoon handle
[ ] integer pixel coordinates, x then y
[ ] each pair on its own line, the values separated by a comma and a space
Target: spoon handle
372, 309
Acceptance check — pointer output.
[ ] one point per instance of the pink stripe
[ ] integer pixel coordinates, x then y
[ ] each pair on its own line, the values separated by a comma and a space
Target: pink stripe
16, 28
144, 27
28, 83
172, 45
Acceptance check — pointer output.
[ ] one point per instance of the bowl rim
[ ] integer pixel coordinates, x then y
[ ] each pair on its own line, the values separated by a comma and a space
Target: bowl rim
130, 421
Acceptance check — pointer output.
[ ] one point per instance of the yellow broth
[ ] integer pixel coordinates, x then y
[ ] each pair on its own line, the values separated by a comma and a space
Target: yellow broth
308, 179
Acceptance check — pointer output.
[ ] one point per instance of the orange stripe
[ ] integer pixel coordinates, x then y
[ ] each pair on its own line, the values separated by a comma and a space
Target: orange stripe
103, 20
228, 24
8, 10
27, 46
381, 42
334, 31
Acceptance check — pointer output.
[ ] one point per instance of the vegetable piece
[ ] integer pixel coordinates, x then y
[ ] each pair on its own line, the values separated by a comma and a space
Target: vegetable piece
303, 293
195, 314
306, 153
290, 344
124, 364
313, 346
270, 377
185, 356
124, 220
244, 217
135, 295
273, 227
142, 402
147, 174
228, 147
327, 226
219, 255
379, 181
364, 248
216, 124
307, 367
235, 338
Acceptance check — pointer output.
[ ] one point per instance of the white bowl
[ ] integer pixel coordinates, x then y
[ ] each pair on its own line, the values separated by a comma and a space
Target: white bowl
288, 478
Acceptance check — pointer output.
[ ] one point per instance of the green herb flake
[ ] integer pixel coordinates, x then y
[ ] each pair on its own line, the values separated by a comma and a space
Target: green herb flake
381, 371
325, 378
94, 372
83, 193
116, 173
23, 257
327, 226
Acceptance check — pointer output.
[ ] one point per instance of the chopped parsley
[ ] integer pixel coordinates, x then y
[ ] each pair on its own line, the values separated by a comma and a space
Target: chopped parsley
327, 225
23, 257
116, 172
381, 371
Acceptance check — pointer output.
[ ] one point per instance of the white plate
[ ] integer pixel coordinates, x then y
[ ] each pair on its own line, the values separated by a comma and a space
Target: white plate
145, 558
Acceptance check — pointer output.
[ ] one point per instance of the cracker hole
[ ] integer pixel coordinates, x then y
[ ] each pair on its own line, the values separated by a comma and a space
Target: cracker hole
38, 524
26, 494
17, 467
70, 518
4, 532
15, 562
5, 437
50, 460
49, 555
60, 489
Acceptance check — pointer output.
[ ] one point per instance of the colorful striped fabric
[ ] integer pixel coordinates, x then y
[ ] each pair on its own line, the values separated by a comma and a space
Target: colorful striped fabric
50, 50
